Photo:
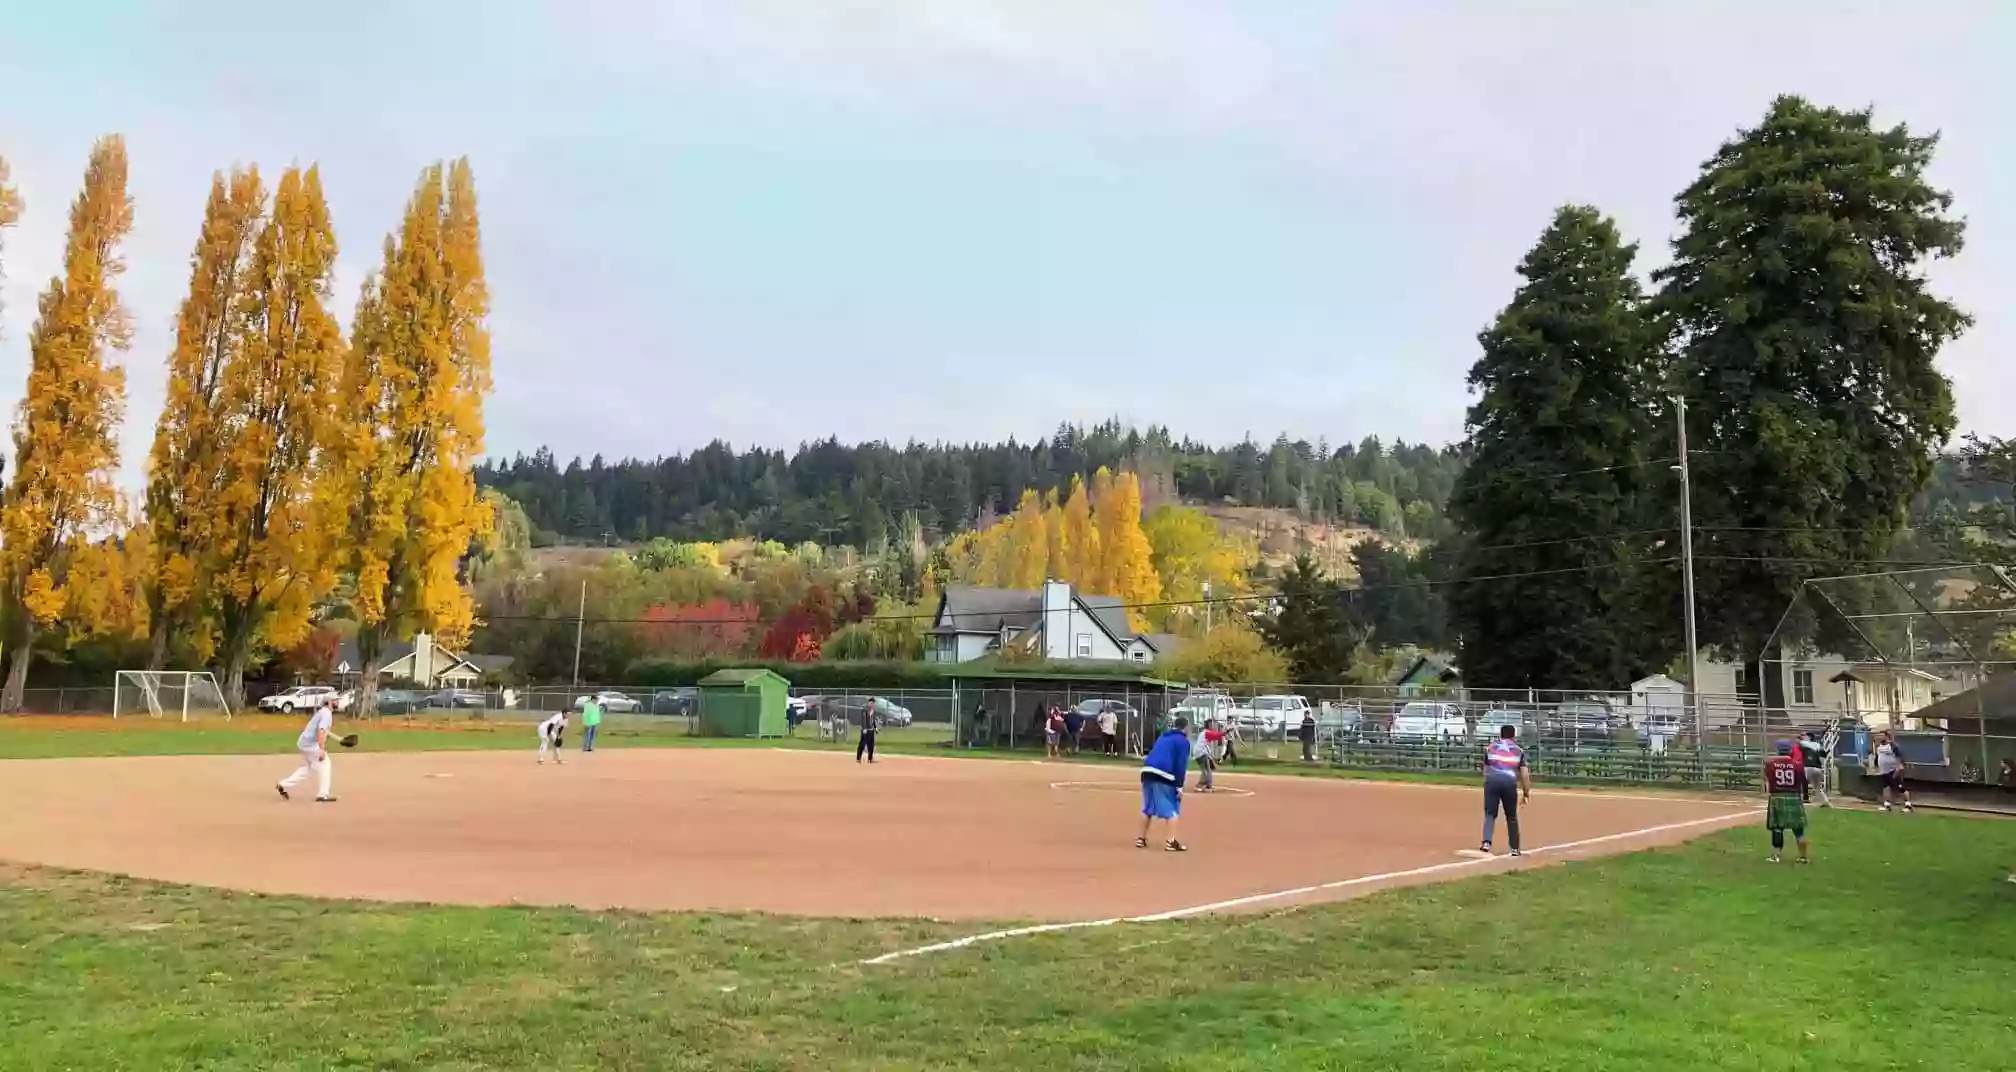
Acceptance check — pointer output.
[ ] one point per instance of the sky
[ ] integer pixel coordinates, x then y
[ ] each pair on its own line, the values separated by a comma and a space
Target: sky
771, 221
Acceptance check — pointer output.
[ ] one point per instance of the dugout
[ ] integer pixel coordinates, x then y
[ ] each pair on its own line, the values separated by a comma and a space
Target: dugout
1003, 706
743, 703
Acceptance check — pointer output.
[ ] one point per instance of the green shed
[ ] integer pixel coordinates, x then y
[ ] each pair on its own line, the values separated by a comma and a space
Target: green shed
743, 703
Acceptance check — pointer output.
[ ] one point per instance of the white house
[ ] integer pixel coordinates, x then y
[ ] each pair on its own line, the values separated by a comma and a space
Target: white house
1832, 686
424, 662
1055, 624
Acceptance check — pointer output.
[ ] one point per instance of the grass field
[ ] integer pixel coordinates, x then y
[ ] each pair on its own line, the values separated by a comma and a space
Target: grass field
1895, 950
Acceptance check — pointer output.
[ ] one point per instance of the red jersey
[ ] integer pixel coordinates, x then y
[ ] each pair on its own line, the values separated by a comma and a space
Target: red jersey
1783, 774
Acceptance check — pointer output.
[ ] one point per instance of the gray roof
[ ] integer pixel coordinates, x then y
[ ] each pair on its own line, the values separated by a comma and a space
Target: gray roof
395, 650
989, 610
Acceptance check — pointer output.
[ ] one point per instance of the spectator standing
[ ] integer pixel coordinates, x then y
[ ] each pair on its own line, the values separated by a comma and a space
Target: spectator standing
1307, 732
1074, 727
1053, 732
1109, 731
1232, 738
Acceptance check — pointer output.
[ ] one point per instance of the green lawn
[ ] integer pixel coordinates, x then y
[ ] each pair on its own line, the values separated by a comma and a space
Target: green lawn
1893, 951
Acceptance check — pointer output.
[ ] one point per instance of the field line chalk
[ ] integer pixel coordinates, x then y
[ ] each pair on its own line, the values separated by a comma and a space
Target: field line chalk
1275, 895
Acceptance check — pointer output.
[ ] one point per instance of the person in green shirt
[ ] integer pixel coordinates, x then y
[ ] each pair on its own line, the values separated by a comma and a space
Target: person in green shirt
591, 720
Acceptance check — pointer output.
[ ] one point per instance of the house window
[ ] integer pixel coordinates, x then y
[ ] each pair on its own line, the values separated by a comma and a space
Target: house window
1743, 682
1802, 686
1140, 656
1084, 645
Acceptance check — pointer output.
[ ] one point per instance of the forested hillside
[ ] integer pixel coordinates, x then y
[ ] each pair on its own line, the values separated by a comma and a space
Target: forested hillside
833, 493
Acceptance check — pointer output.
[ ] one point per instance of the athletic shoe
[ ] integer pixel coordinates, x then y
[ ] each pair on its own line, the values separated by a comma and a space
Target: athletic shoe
1516, 852
2012, 876
1908, 809
325, 800
1140, 842
1774, 858
1175, 846
283, 792
1886, 807
1485, 848
1805, 859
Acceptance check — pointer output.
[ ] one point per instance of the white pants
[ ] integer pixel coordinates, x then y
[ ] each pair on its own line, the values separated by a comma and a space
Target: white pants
1817, 778
310, 764
546, 745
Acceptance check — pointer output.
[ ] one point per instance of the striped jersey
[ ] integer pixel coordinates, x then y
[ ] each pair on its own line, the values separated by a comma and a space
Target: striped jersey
1502, 760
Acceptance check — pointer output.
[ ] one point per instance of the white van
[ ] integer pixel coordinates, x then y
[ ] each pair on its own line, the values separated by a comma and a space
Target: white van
1425, 720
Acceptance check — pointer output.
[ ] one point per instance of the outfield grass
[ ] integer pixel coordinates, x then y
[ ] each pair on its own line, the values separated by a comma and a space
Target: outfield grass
1893, 951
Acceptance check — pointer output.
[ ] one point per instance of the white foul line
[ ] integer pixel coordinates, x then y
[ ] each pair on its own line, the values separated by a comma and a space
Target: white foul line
1240, 902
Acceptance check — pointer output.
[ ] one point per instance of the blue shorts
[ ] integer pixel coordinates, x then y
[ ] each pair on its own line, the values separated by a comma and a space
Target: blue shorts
1160, 799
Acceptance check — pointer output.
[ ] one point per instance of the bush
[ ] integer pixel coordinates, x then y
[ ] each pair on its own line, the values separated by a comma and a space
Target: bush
863, 674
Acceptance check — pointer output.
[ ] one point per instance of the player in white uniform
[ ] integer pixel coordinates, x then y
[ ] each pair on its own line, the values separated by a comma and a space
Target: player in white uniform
549, 735
314, 746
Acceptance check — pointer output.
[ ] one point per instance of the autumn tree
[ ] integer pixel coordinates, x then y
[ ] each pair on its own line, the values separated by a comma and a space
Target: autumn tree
184, 465
1126, 561
1190, 553
1081, 537
270, 544
1028, 544
1233, 652
412, 403
66, 448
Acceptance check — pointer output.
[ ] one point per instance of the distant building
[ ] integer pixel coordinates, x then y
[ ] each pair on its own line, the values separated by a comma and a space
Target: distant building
424, 662
1878, 693
1054, 624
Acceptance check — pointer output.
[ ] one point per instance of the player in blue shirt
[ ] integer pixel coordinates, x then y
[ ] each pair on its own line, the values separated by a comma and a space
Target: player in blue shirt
1162, 774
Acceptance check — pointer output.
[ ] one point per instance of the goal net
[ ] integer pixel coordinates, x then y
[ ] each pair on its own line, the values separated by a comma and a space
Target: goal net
182, 695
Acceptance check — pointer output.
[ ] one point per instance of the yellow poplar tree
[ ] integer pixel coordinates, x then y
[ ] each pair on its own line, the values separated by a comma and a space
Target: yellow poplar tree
1028, 543
1126, 562
1189, 551
412, 403
183, 467
66, 446
1053, 529
1081, 537
270, 544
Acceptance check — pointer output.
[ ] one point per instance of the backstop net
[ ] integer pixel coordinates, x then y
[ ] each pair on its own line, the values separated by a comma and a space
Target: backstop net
180, 695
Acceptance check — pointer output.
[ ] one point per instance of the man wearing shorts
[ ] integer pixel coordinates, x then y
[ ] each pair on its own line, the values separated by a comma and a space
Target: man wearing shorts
1785, 806
1890, 771
1162, 775
1506, 784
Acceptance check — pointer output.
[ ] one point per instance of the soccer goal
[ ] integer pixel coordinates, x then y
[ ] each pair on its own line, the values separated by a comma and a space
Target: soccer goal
178, 694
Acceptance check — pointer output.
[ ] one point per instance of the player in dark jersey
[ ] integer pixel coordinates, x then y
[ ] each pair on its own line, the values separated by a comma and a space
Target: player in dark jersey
1785, 808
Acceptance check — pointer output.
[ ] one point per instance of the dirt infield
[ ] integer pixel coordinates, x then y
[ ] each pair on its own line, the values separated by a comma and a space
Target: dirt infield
801, 833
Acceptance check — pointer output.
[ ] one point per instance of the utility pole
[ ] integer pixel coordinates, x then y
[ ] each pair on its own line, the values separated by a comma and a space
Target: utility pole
1207, 608
580, 619
1687, 565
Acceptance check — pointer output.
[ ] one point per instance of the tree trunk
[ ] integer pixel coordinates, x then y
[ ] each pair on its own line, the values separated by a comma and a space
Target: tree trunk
236, 653
17, 666
370, 649
157, 642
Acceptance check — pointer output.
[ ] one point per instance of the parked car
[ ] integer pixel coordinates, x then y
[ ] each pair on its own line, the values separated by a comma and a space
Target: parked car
1425, 720
1199, 706
456, 698
610, 702
400, 701
1657, 727
1339, 722
298, 698
849, 708
1271, 716
1585, 720
675, 701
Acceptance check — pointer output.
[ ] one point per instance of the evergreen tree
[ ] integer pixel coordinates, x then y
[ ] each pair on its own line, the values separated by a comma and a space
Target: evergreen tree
1806, 344
1311, 626
1557, 468
66, 446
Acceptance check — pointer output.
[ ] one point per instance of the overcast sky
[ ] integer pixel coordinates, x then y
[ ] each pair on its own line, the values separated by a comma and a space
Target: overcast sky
774, 220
